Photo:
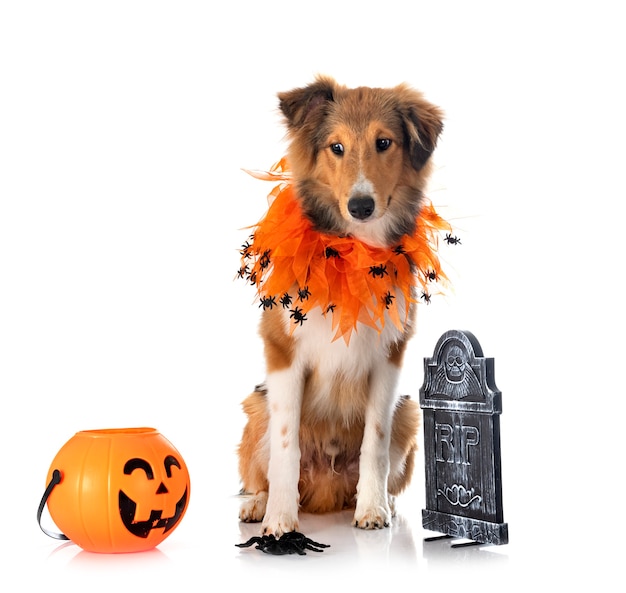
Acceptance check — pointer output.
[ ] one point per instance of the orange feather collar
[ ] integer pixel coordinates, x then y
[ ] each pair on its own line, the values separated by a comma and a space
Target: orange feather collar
298, 268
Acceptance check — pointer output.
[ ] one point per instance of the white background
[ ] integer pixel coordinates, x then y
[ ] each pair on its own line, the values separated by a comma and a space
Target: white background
123, 130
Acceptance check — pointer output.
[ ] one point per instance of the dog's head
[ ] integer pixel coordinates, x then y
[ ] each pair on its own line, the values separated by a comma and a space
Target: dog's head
360, 157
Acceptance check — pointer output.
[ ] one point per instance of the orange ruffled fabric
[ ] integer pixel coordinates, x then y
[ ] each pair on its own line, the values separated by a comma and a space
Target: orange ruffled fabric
296, 267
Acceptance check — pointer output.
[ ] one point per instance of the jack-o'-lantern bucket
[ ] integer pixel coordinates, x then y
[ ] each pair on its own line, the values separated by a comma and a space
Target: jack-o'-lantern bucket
116, 490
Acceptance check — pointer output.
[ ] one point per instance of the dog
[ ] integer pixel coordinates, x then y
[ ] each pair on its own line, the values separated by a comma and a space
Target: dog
327, 430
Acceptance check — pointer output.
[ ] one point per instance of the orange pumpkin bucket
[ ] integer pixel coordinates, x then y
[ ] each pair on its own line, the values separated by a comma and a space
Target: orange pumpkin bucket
116, 490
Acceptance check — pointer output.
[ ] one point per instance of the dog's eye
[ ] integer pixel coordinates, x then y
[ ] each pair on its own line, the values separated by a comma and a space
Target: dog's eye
337, 148
382, 144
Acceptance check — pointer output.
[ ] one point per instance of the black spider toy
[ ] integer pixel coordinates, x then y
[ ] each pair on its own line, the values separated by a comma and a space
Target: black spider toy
388, 300
430, 275
378, 271
297, 315
292, 542
450, 240
286, 300
268, 302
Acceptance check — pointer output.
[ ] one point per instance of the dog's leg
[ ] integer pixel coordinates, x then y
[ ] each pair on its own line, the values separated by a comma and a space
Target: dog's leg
372, 506
284, 392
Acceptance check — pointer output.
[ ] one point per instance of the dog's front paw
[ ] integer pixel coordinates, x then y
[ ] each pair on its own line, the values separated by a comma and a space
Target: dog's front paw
372, 518
282, 523
392, 505
252, 509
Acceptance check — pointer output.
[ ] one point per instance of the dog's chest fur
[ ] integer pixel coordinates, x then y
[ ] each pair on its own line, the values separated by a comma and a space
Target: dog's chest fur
338, 373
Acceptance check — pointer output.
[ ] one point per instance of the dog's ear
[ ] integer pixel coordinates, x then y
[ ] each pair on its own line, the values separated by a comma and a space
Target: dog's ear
307, 104
423, 123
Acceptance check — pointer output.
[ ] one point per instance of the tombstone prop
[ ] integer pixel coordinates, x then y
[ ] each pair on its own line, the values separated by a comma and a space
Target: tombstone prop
462, 407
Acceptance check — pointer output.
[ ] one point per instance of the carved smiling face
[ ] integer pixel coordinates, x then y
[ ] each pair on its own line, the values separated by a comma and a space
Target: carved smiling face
148, 486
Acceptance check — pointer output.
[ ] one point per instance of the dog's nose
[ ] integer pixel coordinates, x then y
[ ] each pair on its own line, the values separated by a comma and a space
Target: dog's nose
361, 207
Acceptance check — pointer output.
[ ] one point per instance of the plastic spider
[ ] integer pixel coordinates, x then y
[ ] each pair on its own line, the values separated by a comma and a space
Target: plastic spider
268, 302
378, 271
304, 293
297, 315
264, 260
286, 300
426, 297
450, 240
292, 542
246, 250
388, 300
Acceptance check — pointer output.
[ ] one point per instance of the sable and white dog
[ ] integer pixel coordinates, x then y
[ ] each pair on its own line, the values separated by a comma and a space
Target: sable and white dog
328, 431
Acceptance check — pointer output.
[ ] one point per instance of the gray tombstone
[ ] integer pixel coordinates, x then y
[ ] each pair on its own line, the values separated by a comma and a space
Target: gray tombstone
462, 408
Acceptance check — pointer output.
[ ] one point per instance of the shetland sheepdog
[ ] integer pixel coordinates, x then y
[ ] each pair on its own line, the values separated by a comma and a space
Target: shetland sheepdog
327, 430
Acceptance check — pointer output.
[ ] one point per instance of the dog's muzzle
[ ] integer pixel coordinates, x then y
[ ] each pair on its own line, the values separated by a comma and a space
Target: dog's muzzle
361, 207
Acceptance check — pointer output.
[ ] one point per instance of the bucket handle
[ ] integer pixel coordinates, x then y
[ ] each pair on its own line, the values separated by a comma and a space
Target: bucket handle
56, 479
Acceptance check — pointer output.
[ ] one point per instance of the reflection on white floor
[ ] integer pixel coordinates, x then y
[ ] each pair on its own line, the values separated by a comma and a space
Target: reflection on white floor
360, 556
400, 547
201, 555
